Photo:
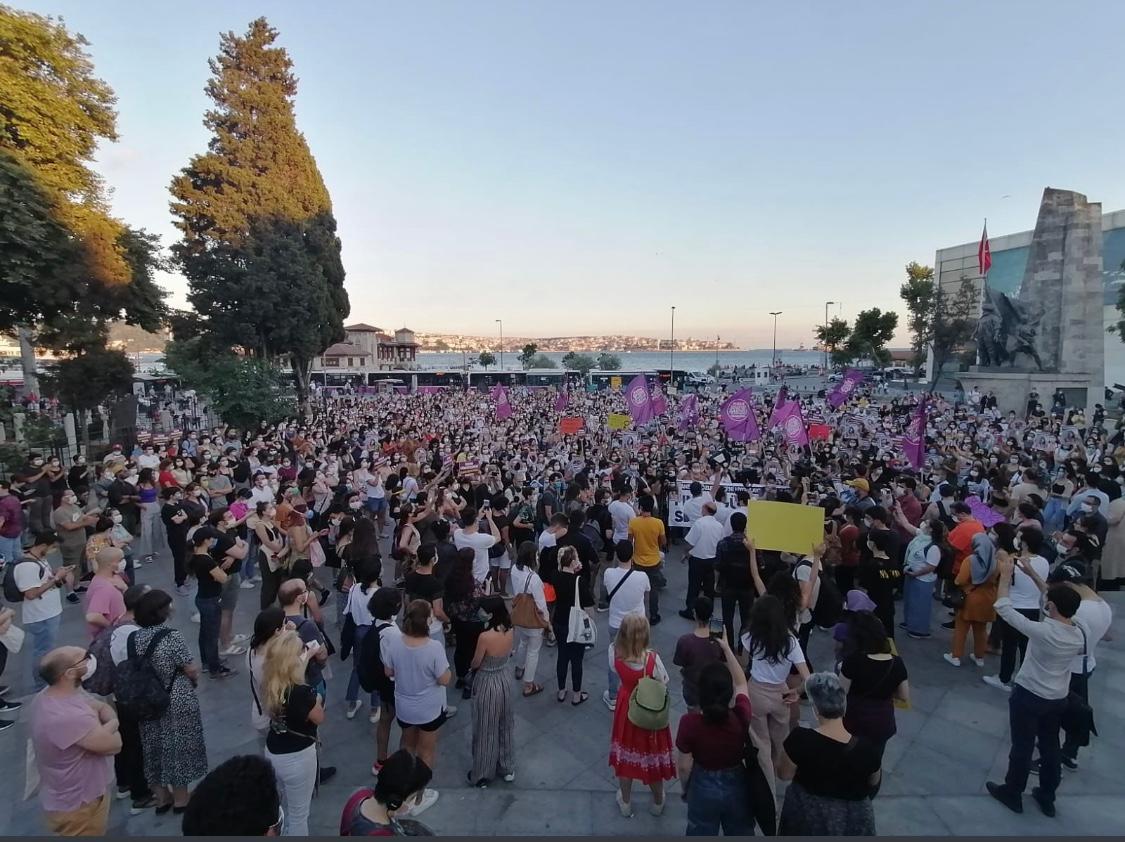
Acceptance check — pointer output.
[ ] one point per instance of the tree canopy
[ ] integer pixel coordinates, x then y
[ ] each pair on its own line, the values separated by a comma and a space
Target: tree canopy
833, 335
608, 362
527, 354
486, 359
579, 362
940, 320
258, 245
872, 330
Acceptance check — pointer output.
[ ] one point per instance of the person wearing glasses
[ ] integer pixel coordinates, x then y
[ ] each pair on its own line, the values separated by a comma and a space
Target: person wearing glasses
74, 736
237, 798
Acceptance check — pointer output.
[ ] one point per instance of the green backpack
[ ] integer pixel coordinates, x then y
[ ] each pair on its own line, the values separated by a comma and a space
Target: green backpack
648, 703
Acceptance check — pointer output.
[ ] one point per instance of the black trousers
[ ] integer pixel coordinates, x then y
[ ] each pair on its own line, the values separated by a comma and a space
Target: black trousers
465, 645
178, 547
1012, 641
569, 658
845, 578
1034, 720
128, 764
701, 576
271, 582
656, 581
742, 600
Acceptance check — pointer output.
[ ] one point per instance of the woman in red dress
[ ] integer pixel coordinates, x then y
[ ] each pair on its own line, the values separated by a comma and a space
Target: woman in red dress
637, 754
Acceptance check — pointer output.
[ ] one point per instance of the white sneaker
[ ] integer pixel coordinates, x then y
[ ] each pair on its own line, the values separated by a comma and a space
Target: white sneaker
240, 638
247, 585
994, 681
608, 700
978, 661
657, 809
450, 711
417, 808
949, 659
195, 617
624, 806
233, 649
374, 716
353, 709
511, 776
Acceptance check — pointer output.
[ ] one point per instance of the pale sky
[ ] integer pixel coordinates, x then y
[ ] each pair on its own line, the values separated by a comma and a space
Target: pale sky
580, 167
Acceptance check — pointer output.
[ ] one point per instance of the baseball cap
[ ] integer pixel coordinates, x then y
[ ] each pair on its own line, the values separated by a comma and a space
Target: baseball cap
861, 484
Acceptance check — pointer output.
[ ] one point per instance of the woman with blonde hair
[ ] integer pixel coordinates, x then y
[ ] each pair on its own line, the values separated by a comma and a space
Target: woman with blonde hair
295, 712
637, 753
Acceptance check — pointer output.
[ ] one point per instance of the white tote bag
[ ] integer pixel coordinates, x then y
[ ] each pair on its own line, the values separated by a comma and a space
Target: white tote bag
581, 629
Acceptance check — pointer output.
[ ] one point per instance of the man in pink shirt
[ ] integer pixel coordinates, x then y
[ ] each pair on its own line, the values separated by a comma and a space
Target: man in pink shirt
105, 601
74, 736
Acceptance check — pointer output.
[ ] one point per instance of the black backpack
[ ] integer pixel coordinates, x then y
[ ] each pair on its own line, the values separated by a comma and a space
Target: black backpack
593, 533
138, 686
11, 592
369, 664
101, 682
829, 605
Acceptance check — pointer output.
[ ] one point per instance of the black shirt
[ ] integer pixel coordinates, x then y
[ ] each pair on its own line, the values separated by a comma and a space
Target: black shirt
219, 553
446, 556
201, 566
564, 594
832, 769
298, 732
880, 577
499, 548
733, 564
422, 586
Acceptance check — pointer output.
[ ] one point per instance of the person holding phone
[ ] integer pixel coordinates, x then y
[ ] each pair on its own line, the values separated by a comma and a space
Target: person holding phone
698, 648
41, 608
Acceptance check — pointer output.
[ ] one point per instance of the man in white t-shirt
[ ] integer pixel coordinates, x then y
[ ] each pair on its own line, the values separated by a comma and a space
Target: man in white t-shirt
621, 511
469, 535
1026, 599
627, 590
703, 537
41, 608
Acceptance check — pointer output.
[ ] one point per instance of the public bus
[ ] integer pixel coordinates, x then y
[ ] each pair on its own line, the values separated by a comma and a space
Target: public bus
599, 379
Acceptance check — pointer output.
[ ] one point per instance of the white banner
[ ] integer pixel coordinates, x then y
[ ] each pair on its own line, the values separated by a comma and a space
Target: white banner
676, 516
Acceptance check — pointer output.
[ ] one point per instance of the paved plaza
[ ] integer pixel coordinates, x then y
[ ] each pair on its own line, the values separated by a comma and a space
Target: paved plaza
952, 741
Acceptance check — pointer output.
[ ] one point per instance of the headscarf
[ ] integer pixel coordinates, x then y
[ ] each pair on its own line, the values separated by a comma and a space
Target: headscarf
983, 559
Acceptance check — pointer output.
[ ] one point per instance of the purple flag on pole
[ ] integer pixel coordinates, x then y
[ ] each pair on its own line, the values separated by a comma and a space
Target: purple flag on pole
563, 400
914, 440
843, 390
688, 415
659, 404
793, 424
639, 401
503, 406
777, 416
738, 418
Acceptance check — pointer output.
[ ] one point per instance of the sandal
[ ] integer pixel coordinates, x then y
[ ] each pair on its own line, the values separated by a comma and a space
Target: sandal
561, 697
582, 696
532, 690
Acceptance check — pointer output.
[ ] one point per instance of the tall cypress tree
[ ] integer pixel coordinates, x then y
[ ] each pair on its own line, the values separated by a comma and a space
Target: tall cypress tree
259, 245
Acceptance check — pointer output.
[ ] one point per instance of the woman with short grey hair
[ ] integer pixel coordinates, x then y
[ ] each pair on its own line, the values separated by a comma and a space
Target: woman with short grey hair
833, 774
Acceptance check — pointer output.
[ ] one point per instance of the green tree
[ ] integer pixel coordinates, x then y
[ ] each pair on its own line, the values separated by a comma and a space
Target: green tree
90, 377
940, 321
527, 354
833, 336
608, 362
241, 390
583, 363
541, 361
486, 359
259, 245
872, 331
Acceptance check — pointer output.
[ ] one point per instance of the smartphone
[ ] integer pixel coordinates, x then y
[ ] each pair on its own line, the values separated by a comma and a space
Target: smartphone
715, 628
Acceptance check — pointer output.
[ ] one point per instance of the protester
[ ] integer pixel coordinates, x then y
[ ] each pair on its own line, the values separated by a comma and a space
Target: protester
977, 579
129, 763
627, 591
529, 620
573, 590
493, 715
875, 680
42, 608
696, 650
239, 797
401, 784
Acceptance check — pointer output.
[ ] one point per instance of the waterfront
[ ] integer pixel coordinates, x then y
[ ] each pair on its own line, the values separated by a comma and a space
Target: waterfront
637, 360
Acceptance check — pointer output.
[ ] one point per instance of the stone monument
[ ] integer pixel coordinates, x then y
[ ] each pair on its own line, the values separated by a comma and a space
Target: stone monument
1051, 335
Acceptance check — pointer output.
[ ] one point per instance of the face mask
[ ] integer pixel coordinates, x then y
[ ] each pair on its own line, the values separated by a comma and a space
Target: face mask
355, 505
121, 565
117, 518
1062, 549
1086, 507
91, 668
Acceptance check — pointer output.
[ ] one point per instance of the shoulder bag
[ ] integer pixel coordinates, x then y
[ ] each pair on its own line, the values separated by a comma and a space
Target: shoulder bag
1078, 716
581, 628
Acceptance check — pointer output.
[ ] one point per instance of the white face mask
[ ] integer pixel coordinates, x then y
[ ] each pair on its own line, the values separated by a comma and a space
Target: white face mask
91, 668
1086, 507
121, 565
117, 518
1062, 549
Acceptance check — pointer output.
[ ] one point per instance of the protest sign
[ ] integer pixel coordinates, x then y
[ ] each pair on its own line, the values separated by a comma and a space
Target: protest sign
789, 527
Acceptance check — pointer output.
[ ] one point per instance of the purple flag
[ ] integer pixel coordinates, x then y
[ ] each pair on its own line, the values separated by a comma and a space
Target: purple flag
639, 401
688, 415
563, 400
914, 440
503, 406
777, 416
659, 404
738, 418
792, 424
843, 390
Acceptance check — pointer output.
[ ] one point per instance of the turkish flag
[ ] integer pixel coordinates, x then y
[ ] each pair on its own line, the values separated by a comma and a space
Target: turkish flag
984, 253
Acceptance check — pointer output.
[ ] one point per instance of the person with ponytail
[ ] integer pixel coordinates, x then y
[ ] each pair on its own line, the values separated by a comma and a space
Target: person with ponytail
709, 746
377, 812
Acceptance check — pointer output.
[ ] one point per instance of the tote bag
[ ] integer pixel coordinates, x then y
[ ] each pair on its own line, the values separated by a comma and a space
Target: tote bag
581, 629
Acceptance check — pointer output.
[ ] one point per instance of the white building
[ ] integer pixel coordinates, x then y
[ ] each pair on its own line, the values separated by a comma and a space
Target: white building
367, 348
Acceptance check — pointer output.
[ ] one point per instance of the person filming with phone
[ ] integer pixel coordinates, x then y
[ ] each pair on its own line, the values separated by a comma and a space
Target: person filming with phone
698, 648
42, 607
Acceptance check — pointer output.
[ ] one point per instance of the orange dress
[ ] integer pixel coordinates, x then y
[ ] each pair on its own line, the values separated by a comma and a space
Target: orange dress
979, 599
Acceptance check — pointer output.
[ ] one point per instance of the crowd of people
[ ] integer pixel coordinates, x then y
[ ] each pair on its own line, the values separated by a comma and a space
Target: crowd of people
441, 546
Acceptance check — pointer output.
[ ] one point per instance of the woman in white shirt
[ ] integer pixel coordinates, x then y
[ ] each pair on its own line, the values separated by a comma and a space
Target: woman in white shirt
774, 653
1025, 596
267, 626
359, 597
525, 579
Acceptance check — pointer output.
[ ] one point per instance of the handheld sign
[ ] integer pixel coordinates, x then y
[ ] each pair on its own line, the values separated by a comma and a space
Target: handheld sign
789, 527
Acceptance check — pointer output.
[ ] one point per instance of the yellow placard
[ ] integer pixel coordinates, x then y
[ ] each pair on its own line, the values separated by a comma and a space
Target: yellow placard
615, 381
789, 527
618, 421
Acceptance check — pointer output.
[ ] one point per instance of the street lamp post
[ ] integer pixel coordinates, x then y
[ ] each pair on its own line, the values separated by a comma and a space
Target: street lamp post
501, 323
824, 341
717, 355
773, 360
672, 352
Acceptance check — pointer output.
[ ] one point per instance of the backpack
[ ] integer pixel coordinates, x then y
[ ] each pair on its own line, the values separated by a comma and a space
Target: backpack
829, 604
137, 685
12, 593
373, 676
593, 533
648, 703
945, 517
101, 682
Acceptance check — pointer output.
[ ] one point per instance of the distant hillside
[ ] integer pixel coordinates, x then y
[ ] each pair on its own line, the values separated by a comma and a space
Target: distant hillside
134, 340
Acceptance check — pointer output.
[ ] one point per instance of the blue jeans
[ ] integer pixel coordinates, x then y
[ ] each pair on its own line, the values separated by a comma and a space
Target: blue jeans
10, 549
917, 604
353, 683
210, 615
43, 634
718, 799
614, 678
250, 563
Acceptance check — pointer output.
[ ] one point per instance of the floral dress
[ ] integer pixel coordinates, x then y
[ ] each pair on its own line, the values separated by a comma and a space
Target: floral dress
637, 753
174, 751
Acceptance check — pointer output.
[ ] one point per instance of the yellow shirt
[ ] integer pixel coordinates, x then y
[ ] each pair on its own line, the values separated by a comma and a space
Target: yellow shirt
646, 533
